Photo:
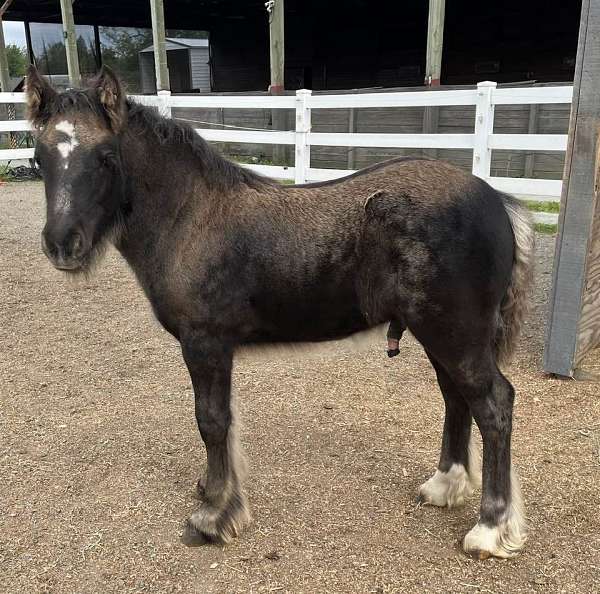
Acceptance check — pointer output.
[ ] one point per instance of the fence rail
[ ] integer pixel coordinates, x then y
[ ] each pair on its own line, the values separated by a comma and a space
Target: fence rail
482, 141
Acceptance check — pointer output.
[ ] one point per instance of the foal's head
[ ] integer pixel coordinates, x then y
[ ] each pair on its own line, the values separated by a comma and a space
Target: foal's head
77, 150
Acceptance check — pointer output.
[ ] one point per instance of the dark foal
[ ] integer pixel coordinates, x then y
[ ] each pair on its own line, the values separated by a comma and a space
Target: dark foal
228, 258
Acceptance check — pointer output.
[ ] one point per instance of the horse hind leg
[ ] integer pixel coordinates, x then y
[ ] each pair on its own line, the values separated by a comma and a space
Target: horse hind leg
501, 530
458, 473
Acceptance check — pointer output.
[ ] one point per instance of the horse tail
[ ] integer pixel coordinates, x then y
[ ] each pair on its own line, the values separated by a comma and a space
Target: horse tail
514, 304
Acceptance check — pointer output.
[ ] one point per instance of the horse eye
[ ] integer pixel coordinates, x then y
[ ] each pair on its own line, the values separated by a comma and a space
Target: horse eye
107, 160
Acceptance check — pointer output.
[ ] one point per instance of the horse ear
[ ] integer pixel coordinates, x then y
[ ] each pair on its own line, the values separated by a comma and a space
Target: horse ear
112, 98
39, 95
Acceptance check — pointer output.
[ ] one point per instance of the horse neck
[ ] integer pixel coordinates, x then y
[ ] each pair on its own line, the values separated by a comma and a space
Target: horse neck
158, 182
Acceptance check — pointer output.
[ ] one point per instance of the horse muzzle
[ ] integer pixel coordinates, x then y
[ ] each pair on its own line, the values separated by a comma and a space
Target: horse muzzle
66, 251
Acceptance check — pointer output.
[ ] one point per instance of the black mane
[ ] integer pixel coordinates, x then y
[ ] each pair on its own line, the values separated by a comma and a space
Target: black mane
216, 169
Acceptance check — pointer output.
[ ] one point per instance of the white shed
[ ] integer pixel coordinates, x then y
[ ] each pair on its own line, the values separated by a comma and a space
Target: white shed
189, 66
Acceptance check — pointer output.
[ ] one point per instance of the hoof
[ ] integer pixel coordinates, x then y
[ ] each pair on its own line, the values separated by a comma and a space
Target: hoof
219, 523
192, 537
393, 352
483, 542
446, 489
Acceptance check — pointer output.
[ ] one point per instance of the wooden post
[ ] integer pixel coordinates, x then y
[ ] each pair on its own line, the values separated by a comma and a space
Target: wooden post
275, 9
351, 129
160, 49
97, 47
66, 8
574, 314
484, 126
431, 117
302, 142
531, 129
435, 42
433, 65
30, 53
164, 103
4, 74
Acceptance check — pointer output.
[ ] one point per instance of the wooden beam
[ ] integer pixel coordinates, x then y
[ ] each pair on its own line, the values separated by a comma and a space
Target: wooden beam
352, 127
4, 7
531, 129
66, 9
574, 316
431, 118
275, 8
277, 49
435, 42
97, 47
160, 49
4, 74
30, 54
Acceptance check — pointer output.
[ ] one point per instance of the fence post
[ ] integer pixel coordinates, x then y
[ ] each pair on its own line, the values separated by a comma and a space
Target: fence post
302, 161
164, 103
484, 126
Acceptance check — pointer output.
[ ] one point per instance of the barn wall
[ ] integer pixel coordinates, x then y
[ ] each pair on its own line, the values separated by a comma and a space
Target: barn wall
383, 44
240, 55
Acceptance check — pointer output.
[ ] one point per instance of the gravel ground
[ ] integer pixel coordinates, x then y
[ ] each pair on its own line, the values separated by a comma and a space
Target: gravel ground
99, 453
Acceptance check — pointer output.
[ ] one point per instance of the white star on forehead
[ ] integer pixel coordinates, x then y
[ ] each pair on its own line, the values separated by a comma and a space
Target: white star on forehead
66, 148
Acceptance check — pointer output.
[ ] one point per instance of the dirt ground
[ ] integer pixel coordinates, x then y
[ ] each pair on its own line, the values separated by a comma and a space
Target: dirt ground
99, 453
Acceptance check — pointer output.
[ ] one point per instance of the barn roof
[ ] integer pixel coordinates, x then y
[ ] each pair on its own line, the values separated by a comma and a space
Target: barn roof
179, 14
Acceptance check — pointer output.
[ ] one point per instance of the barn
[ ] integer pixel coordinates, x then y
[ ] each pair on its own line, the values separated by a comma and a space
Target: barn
350, 44
188, 61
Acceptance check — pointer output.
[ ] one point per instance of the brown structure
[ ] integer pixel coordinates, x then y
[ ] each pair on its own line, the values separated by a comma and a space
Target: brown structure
344, 44
574, 317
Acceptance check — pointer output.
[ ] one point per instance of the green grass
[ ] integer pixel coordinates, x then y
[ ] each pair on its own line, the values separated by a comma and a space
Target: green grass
543, 206
546, 228
551, 207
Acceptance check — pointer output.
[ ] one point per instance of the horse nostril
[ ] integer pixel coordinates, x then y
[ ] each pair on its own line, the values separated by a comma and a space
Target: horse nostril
48, 247
77, 247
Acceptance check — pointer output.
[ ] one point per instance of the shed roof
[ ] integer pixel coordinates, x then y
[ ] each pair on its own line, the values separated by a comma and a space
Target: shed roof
174, 43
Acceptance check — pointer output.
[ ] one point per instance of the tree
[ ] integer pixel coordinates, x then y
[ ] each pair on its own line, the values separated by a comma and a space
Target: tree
86, 51
17, 60
120, 49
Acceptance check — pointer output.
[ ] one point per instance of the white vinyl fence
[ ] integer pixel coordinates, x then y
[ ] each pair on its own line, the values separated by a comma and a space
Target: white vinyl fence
485, 97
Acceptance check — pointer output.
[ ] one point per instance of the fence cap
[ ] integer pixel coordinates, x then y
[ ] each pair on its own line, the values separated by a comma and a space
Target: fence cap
487, 83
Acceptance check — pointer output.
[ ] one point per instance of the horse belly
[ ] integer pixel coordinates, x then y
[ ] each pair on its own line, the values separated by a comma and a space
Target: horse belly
309, 313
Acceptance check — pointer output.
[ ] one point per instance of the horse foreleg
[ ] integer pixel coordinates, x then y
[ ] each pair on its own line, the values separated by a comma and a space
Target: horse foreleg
224, 511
